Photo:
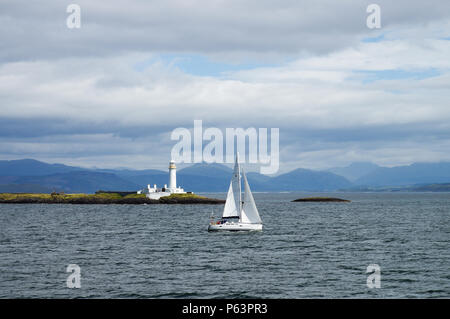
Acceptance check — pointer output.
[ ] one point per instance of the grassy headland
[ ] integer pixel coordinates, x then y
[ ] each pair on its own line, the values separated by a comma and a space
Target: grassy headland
103, 198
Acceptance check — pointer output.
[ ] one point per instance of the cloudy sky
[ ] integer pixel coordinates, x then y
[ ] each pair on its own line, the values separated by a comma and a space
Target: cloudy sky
110, 93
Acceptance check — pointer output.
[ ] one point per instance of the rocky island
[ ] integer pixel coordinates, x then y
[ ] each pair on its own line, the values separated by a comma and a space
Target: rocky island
321, 199
104, 198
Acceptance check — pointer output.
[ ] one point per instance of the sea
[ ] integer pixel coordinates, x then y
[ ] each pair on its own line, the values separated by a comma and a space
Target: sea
380, 245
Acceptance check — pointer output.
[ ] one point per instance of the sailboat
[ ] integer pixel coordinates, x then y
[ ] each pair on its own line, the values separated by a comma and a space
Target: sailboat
238, 215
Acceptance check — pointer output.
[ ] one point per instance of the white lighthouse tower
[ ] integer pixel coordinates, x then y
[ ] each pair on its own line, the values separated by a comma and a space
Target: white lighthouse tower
172, 176
173, 180
157, 193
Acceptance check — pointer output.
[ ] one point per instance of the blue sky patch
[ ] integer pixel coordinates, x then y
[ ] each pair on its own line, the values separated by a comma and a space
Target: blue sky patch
379, 38
198, 64
397, 74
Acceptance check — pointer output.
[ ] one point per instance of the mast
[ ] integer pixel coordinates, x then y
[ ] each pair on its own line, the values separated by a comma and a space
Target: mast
239, 183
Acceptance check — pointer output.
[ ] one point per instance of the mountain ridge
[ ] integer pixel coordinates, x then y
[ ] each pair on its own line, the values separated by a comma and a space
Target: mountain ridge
29, 174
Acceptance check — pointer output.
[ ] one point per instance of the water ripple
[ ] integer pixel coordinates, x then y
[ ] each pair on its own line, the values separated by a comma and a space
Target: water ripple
306, 250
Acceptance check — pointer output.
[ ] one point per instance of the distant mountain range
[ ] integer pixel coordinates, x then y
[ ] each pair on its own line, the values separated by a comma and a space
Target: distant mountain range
439, 187
355, 170
417, 173
33, 176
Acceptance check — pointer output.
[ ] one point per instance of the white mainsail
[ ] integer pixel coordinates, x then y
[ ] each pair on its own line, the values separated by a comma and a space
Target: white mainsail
249, 213
233, 202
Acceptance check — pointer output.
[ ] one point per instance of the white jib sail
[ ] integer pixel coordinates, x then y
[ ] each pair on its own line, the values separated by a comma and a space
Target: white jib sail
230, 208
249, 212
233, 202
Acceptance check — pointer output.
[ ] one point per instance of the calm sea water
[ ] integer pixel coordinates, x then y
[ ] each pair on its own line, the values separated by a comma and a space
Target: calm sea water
305, 250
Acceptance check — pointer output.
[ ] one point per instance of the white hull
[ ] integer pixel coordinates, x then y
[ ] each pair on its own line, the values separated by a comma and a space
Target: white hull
235, 227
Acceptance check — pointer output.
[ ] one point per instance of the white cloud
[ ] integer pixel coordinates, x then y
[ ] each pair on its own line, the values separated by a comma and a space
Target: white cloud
319, 92
84, 97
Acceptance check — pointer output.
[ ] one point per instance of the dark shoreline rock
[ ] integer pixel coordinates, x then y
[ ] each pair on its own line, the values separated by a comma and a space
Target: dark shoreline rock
194, 200
321, 199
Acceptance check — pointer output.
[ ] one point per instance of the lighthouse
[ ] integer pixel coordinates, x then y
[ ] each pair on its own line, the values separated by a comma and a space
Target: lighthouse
157, 193
172, 176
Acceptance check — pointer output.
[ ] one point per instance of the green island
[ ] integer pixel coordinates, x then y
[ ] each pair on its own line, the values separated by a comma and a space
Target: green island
321, 199
104, 198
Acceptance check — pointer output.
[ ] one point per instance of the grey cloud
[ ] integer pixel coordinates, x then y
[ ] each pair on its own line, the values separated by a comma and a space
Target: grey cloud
41, 128
37, 30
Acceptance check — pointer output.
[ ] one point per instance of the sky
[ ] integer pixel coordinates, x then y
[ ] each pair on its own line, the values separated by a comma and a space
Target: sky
109, 94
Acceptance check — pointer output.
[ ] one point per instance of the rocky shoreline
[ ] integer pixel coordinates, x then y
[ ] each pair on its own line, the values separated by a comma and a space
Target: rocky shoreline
321, 199
104, 199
